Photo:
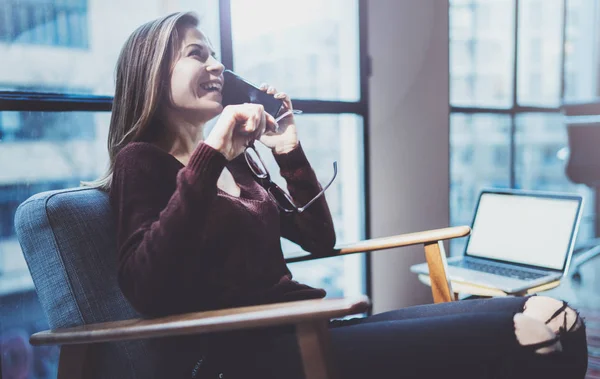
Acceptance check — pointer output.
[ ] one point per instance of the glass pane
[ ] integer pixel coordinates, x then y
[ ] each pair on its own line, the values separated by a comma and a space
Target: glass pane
325, 139
39, 152
309, 49
69, 47
581, 52
481, 52
44, 22
479, 158
541, 158
539, 52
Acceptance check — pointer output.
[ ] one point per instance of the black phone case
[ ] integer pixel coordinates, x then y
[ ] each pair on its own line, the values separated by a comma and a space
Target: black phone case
236, 90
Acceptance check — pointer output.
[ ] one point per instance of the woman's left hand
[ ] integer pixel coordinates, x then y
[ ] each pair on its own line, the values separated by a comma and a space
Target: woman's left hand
285, 138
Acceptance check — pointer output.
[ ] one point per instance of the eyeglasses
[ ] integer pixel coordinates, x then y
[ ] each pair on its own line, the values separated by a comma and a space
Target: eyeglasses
278, 195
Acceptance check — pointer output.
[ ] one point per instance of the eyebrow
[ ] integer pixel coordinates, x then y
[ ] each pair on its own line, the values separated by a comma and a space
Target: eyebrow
202, 47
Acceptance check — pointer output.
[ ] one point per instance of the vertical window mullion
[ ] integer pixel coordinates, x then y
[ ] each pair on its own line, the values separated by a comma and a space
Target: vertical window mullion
515, 78
226, 33
514, 106
562, 51
365, 67
513, 150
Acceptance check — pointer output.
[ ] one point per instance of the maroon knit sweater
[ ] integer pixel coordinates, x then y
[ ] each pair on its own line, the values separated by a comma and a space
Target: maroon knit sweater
184, 245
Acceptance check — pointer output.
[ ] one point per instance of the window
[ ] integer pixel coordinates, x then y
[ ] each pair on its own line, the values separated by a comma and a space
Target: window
314, 56
481, 51
44, 22
535, 13
54, 69
486, 138
41, 151
581, 50
314, 49
327, 138
62, 126
539, 53
56, 86
511, 117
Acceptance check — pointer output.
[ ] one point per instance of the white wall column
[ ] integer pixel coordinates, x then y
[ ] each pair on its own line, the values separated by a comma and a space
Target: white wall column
409, 138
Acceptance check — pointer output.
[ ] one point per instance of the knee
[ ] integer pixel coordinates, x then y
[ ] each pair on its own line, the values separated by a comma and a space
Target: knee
559, 317
556, 327
531, 333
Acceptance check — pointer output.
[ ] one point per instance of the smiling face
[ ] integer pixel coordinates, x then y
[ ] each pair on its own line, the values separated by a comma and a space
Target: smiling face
196, 79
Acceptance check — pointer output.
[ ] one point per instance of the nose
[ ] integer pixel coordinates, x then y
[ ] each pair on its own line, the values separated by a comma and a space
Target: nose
214, 66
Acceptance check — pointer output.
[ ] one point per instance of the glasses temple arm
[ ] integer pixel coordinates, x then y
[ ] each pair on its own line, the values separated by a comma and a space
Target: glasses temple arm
300, 210
287, 113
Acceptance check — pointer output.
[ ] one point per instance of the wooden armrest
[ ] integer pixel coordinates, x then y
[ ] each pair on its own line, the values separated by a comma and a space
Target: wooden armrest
400, 240
434, 253
441, 287
205, 322
408, 239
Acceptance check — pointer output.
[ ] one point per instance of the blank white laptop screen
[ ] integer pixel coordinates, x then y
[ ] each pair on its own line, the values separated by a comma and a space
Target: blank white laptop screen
523, 229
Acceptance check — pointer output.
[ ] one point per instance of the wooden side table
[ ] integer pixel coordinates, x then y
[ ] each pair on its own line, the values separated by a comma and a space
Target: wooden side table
477, 290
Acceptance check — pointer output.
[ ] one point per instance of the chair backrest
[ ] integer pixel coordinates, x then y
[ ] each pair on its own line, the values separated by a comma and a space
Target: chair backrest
583, 131
69, 243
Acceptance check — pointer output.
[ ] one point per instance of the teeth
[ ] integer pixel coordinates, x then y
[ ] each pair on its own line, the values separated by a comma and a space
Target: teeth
211, 87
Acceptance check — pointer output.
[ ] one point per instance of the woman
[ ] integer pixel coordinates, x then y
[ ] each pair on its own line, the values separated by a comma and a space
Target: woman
196, 231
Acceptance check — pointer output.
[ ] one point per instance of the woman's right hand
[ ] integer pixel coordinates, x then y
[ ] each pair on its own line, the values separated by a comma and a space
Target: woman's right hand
237, 127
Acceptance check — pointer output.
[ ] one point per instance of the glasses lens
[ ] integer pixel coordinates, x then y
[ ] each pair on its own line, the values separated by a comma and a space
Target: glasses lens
255, 163
281, 198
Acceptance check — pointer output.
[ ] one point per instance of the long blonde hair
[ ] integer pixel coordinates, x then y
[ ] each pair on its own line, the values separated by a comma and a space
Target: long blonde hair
142, 82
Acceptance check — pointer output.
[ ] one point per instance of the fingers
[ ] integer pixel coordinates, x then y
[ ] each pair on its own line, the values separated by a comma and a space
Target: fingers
281, 95
268, 89
287, 102
271, 124
250, 120
278, 95
253, 118
238, 127
263, 124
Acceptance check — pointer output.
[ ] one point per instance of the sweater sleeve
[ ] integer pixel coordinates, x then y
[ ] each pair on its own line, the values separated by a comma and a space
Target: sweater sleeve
312, 229
155, 226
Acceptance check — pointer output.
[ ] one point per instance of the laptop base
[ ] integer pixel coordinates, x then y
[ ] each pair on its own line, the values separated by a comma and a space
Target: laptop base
467, 290
482, 279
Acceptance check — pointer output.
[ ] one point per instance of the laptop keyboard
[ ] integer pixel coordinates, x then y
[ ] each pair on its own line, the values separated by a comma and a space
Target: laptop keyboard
497, 270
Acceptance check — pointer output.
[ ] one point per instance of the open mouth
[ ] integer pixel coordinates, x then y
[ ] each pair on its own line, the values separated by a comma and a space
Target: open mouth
212, 87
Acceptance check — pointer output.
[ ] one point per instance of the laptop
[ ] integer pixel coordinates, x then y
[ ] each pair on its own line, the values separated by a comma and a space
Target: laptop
519, 240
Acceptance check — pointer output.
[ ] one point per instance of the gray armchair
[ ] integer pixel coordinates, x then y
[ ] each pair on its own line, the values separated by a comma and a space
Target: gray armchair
68, 240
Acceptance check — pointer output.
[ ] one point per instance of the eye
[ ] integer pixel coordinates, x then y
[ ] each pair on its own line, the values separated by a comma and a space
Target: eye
195, 52
198, 53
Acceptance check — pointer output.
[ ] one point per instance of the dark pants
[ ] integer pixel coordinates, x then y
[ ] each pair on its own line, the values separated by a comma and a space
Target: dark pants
465, 339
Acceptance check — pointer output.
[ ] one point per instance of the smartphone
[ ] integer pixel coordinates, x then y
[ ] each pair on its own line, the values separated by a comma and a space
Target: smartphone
237, 90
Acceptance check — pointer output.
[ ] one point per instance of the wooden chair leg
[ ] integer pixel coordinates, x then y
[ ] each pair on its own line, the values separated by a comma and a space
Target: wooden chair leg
441, 287
71, 361
315, 349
